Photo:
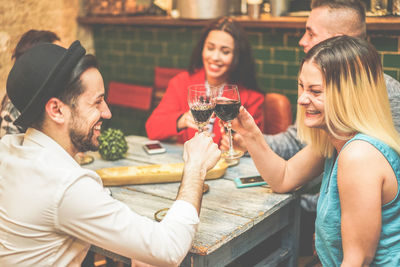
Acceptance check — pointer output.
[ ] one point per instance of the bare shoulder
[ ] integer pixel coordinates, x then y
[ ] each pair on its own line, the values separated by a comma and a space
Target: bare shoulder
360, 160
359, 151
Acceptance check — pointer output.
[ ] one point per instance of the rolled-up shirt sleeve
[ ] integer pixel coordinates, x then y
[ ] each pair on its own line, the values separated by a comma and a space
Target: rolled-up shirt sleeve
88, 213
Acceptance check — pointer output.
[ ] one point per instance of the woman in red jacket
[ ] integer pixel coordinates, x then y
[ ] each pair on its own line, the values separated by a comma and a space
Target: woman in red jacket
222, 55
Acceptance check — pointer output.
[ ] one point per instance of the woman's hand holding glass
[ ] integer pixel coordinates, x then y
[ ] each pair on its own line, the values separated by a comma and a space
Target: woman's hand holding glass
238, 142
245, 126
186, 121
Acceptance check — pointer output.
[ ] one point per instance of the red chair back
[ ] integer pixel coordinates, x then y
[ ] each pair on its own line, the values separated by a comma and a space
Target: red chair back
129, 95
277, 113
161, 79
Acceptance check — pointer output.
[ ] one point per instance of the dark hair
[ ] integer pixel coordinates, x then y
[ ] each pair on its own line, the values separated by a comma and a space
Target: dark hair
242, 69
31, 38
355, 5
74, 87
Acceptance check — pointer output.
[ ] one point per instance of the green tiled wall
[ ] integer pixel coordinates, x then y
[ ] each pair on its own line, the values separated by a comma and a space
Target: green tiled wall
130, 53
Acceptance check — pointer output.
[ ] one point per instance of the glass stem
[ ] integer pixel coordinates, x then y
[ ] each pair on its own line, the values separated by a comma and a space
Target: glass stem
229, 127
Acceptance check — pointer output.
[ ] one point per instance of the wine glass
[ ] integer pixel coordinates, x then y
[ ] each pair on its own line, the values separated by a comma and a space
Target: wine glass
227, 104
201, 102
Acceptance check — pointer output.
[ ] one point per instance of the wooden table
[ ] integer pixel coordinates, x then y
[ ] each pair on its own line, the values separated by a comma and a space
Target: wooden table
238, 227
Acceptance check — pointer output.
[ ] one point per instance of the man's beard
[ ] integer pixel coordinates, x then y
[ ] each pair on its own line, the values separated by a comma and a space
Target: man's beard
82, 141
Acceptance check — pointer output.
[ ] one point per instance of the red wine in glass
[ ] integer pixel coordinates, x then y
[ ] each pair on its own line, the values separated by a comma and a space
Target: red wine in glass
202, 112
201, 103
227, 104
227, 109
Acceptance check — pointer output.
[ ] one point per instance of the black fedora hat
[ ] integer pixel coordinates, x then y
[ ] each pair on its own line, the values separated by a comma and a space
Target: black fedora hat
39, 74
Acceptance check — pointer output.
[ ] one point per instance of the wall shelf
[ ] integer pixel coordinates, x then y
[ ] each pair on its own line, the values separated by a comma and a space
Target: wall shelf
266, 21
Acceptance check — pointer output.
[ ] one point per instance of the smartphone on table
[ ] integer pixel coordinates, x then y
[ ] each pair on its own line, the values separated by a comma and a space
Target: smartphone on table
242, 182
153, 147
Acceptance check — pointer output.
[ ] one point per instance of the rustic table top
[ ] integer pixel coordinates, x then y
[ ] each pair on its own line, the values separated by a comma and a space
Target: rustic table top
226, 212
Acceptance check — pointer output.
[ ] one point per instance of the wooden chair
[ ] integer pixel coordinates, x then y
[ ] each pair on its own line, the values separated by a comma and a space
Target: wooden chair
277, 113
130, 105
162, 76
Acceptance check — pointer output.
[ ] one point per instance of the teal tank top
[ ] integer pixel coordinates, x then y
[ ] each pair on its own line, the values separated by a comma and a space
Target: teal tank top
328, 238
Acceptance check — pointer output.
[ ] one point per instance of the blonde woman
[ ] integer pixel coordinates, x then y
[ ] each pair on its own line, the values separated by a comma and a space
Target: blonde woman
344, 117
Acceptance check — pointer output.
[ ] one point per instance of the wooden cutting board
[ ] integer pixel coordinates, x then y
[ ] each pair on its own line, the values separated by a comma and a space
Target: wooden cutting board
163, 173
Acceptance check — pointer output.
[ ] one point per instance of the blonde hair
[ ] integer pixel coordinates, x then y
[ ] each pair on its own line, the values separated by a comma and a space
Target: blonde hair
356, 99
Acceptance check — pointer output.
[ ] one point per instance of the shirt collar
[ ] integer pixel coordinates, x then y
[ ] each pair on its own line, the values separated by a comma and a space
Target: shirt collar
35, 137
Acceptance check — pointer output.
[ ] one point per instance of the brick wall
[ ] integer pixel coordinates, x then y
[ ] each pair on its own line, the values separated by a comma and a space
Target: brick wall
130, 53
19, 16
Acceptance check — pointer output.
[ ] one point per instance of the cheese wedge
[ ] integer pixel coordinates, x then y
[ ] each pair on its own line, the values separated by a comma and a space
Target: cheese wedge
163, 173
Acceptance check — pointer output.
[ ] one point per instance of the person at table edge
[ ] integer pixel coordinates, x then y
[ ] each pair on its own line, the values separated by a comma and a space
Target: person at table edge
344, 117
328, 18
52, 209
222, 55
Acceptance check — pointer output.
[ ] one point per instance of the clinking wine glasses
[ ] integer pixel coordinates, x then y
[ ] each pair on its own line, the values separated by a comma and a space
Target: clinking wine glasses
227, 104
201, 102
224, 100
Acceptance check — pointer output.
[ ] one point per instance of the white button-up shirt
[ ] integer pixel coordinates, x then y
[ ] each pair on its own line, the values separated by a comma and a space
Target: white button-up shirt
51, 210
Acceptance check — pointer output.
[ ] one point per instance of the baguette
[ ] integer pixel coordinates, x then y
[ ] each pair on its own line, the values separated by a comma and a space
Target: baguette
163, 173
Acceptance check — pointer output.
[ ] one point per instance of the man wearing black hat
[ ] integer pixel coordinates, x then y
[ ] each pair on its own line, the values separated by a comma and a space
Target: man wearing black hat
51, 209
8, 113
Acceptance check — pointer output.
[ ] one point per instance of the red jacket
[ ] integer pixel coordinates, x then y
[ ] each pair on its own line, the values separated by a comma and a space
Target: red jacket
163, 121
